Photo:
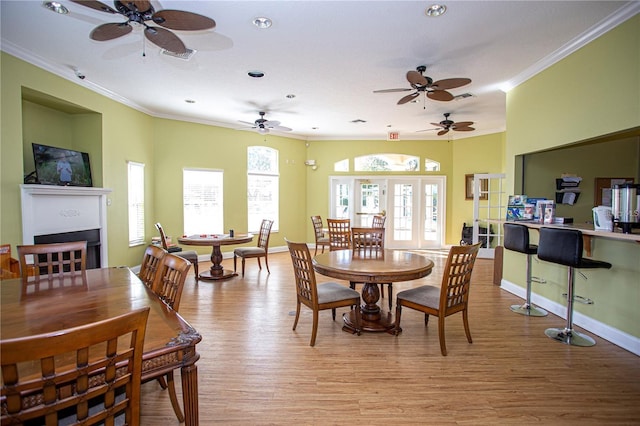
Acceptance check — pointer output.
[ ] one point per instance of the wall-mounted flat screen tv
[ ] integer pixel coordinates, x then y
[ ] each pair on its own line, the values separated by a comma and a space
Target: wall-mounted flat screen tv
59, 166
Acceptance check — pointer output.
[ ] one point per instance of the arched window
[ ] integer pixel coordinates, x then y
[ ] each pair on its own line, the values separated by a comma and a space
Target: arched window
431, 165
387, 163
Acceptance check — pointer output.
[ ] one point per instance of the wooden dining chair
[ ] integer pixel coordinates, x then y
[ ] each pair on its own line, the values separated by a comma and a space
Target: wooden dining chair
339, 234
169, 283
9, 267
151, 262
321, 240
53, 259
451, 297
369, 243
81, 375
190, 255
261, 250
378, 221
329, 295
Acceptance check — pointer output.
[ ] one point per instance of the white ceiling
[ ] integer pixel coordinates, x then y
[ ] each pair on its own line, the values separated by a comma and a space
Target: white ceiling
331, 55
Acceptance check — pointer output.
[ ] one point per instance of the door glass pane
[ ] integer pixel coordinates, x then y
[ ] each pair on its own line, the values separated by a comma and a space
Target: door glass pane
369, 203
402, 212
430, 211
341, 201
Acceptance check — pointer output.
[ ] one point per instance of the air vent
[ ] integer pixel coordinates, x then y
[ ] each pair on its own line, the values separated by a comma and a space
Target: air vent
462, 96
184, 56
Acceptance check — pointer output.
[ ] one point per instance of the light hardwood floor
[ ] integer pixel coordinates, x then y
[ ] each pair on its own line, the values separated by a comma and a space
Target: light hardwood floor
254, 370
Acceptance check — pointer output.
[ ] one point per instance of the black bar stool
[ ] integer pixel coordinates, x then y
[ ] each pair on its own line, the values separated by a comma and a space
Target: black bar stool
516, 238
564, 246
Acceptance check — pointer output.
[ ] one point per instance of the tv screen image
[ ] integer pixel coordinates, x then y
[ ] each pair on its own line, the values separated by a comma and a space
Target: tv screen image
59, 166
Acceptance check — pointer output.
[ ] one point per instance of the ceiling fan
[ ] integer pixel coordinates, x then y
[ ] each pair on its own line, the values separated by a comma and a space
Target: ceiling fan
436, 90
262, 125
446, 125
140, 12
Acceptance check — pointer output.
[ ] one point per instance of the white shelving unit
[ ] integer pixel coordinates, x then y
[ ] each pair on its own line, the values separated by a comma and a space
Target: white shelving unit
489, 210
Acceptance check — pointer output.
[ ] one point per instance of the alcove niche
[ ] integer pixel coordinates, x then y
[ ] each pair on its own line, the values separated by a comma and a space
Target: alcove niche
48, 120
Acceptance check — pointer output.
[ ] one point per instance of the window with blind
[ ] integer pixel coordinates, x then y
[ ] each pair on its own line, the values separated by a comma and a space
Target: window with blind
263, 185
135, 179
202, 201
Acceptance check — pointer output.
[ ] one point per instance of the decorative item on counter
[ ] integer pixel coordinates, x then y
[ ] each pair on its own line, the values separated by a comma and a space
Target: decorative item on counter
549, 211
602, 218
534, 202
516, 207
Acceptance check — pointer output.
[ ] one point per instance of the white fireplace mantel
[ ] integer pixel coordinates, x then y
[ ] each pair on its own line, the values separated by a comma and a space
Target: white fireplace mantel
50, 209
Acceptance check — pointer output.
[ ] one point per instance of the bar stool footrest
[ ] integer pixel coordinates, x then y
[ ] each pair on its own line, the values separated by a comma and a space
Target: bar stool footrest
569, 337
580, 299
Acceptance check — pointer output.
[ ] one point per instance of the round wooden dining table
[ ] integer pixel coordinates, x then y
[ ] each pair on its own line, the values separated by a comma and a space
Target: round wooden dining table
216, 272
388, 266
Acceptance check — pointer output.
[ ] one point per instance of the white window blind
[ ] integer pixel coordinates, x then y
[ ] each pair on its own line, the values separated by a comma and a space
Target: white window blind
202, 201
135, 179
263, 186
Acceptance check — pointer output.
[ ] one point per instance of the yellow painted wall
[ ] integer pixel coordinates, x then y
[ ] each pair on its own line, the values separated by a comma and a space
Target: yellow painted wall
593, 92
179, 145
125, 134
456, 158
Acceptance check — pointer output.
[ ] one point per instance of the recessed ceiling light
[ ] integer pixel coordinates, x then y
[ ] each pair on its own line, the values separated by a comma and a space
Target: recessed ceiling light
435, 10
256, 74
56, 7
190, 101
262, 22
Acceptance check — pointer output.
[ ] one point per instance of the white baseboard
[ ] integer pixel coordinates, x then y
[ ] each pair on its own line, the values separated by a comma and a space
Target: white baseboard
611, 334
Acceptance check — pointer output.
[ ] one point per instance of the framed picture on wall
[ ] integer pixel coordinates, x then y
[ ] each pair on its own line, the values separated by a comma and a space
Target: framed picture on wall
468, 188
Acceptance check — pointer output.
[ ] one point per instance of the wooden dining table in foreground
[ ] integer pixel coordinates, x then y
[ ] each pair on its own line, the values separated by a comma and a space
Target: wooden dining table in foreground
216, 272
44, 305
388, 266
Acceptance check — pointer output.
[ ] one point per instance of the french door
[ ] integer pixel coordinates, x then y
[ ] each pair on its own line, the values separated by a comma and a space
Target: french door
414, 207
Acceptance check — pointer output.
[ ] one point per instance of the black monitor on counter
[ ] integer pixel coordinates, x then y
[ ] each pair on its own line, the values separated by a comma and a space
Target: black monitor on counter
60, 166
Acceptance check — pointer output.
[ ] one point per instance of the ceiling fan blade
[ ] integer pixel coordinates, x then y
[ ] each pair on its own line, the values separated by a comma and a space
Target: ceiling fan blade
181, 20
438, 125
440, 95
391, 90
450, 83
94, 4
463, 124
247, 123
271, 123
408, 98
165, 39
110, 31
281, 128
463, 129
443, 132
414, 77
137, 5
427, 130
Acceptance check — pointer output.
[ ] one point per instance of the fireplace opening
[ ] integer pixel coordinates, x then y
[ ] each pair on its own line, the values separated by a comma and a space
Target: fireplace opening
91, 236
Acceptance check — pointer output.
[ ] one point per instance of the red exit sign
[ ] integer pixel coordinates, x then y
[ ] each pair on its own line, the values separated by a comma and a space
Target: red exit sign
393, 136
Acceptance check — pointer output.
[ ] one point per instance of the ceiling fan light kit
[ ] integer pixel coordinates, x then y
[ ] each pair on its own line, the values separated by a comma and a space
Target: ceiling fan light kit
140, 12
445, 125
435, 90
263, 126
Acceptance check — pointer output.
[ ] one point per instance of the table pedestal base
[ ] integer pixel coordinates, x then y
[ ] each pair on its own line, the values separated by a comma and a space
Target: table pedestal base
383, 322
223, 275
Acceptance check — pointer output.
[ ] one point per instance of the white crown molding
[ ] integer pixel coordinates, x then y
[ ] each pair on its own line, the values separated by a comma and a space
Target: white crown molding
621, 15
